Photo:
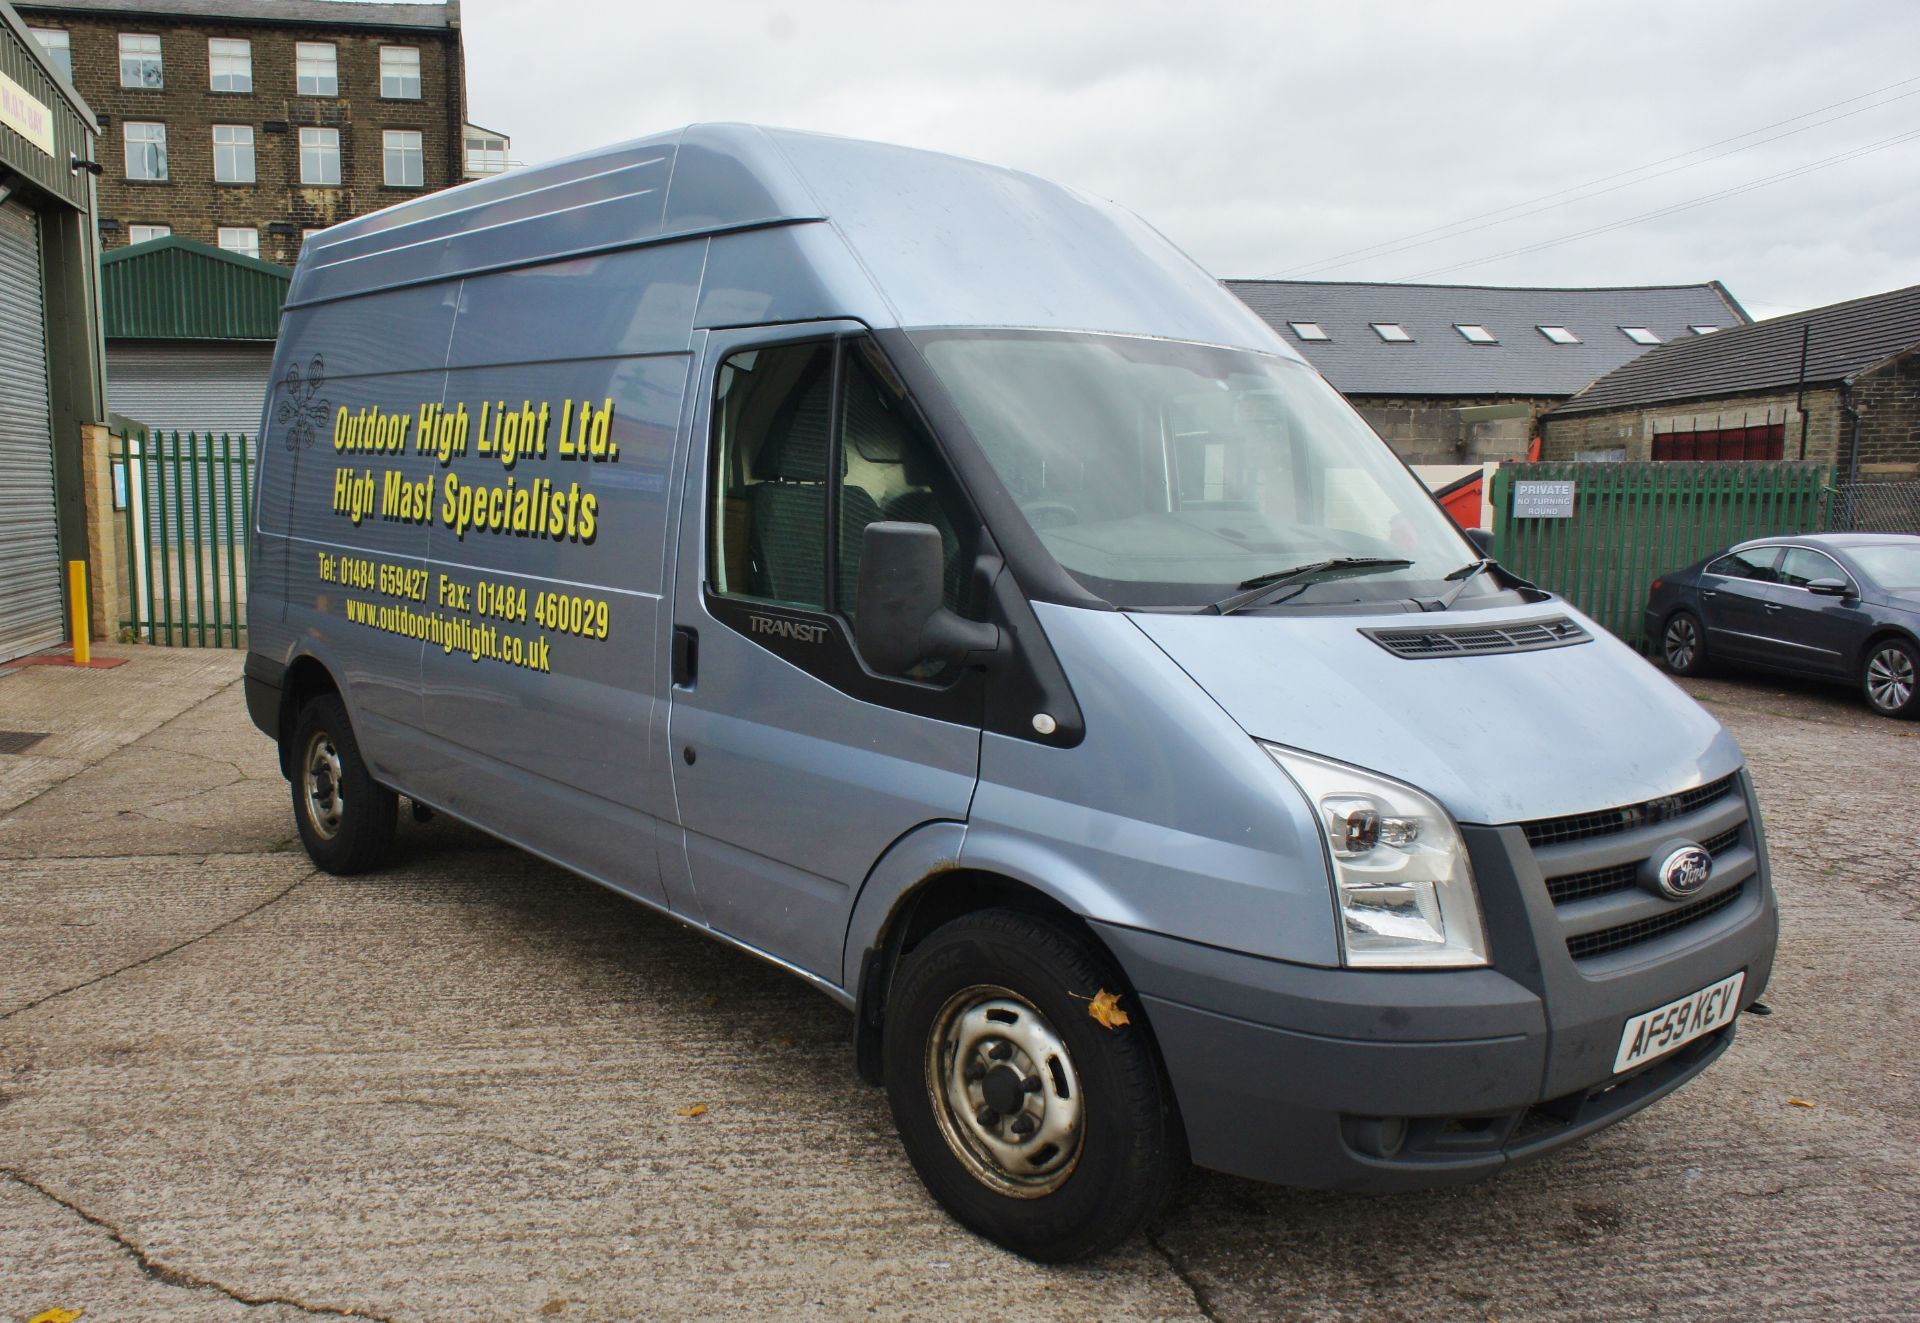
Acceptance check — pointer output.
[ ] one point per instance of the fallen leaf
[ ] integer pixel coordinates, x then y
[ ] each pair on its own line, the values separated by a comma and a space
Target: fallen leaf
711, 1000
553, 1306
698, 1109
1798, 1102
786, 1042
1106, 1009
57, 1316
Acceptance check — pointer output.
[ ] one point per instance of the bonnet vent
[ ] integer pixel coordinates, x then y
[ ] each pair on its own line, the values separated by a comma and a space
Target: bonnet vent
1480, 640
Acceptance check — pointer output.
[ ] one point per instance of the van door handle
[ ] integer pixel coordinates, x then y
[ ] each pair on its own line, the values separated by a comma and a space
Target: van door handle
686, 656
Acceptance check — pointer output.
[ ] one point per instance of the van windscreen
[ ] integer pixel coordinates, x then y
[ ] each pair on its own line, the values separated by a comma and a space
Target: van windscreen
1163, 473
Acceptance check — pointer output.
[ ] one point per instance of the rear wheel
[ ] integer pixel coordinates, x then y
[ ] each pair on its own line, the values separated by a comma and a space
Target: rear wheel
346, 818
1890, 678
1030, 1121
1683, 644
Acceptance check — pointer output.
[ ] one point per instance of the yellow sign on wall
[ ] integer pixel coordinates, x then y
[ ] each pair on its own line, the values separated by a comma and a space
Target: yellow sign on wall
26, 115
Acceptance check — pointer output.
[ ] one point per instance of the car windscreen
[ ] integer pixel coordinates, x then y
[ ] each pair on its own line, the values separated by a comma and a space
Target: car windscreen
1895, 566
1166, 474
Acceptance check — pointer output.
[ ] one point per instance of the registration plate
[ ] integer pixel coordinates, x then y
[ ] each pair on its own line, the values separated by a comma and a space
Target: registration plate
1660, 1031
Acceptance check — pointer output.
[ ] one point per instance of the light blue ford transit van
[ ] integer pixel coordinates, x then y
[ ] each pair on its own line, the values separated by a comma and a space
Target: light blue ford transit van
928, 579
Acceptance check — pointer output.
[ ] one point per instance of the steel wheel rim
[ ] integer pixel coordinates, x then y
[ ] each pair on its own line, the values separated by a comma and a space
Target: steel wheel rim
1683, 642
966, 1073
1890, 679
320, 780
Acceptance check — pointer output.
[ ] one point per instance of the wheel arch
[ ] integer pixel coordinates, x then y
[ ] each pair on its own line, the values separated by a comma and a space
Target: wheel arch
307, 678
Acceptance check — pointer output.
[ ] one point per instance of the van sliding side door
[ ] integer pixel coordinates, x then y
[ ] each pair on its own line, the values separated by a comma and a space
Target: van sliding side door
794, 766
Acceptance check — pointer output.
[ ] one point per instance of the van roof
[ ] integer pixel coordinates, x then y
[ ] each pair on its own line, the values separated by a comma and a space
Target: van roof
935, 239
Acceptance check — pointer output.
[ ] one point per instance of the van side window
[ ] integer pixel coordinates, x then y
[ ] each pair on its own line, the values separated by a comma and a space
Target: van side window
773, 430
799, 428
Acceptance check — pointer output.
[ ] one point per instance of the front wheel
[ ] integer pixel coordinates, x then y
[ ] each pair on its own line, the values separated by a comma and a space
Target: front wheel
1891, 678
1030, 1120
1683, 644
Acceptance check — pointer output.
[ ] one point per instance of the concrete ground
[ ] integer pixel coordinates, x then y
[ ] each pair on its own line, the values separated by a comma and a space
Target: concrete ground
232, 1087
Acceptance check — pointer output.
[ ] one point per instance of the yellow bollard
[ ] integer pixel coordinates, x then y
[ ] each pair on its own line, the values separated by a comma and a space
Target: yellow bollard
82, 619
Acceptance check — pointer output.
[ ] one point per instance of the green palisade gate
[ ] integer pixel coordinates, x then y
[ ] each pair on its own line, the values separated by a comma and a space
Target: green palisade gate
189, 503
1631, 523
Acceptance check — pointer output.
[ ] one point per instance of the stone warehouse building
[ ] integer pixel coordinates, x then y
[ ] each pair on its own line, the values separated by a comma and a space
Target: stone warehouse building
1460, 374
248, 123
1839, 385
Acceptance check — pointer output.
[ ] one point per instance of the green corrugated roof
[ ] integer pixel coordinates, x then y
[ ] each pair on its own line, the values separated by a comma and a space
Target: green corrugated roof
176, 289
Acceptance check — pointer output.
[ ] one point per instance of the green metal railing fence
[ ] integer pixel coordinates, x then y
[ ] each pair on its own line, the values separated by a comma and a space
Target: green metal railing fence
1630, 523
188, 502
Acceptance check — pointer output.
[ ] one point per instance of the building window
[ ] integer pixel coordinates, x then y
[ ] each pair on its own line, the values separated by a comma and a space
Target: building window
320, 156
59, 48
1640, 335
1476, 334
400, 72
244, 241
146, 150
405, 162
1309, 331
142, 233
1560, 335
140, 61
230, 64
1767, 441
486, 154
1703, 330
1392, 332
316, 69
233, 154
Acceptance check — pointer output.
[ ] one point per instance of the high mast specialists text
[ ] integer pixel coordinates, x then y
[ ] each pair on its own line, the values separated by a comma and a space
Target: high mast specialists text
541, 508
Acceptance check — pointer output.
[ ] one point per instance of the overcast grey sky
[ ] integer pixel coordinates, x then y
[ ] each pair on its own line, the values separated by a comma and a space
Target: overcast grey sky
1267, 137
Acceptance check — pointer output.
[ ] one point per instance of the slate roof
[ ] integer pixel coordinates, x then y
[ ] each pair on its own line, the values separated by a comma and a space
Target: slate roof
1843, 340
1440, 361
322, 13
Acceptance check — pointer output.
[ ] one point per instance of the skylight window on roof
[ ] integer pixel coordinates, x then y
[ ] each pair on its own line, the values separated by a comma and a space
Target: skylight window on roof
1475, 334
1309, 331
1392, 332
1703, 330
1560, 335
1640, 335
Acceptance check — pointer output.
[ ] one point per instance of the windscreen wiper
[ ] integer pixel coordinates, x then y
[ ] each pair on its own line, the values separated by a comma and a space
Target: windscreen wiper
1256, 591
1466, 574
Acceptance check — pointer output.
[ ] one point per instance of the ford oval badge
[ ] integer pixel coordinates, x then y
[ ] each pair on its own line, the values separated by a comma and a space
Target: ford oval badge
1684, 871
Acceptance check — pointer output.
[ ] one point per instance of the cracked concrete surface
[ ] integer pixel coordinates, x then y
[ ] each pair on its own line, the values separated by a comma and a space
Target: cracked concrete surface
232, 1087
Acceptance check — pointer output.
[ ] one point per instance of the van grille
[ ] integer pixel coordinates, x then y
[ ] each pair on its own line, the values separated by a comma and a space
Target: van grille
1480, 640
1601, 881
1581, 826
1607, 940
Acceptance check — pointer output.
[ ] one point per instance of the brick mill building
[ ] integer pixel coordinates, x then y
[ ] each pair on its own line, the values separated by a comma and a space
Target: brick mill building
248, 123
1839, 385
1460, 374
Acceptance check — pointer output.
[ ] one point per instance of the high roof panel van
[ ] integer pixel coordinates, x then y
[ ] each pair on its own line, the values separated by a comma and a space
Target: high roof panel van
928, 579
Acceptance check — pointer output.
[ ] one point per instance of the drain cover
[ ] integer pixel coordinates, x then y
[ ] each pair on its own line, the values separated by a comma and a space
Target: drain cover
19, 741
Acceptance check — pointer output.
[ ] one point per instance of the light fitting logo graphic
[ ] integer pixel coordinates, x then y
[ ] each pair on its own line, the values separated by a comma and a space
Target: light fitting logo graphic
303, 411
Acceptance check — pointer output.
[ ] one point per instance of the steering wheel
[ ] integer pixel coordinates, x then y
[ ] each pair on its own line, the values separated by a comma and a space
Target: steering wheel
1050, 514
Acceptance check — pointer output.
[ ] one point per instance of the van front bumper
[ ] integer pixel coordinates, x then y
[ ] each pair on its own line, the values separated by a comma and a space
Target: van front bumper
1391, 1080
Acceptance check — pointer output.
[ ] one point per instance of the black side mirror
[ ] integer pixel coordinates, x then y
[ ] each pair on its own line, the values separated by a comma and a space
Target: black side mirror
900, 620
1482, 539
1830, 587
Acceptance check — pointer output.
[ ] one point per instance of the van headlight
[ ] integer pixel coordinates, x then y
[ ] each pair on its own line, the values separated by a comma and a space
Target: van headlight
1401, 881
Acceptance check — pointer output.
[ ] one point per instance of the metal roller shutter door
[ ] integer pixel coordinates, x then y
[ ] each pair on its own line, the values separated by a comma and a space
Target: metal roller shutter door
30, 595
190, 387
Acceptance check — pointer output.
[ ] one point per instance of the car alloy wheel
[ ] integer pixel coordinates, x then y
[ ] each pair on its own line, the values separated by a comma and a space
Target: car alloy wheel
1890, 678
1682, 643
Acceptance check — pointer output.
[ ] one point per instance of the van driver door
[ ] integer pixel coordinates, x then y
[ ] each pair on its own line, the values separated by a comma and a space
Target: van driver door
794, 765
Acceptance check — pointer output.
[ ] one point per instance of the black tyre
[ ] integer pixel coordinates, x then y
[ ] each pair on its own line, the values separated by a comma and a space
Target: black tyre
1029, 1120
346, 818
1683, 644
1890, 678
